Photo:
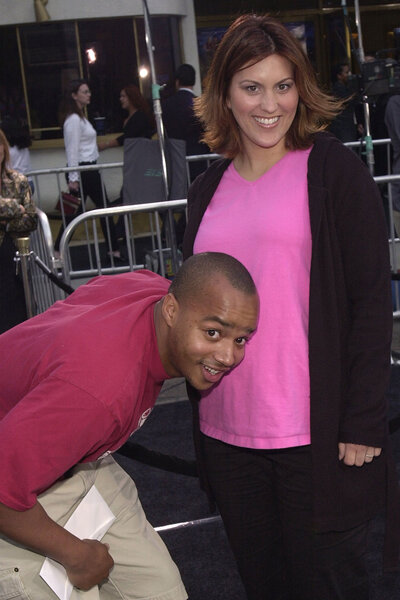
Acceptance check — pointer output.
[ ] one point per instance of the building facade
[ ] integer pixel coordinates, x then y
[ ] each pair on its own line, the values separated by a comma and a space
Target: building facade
101, 41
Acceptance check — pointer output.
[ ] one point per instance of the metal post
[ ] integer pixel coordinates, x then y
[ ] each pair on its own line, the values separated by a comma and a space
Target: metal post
369, 148
361, 55
22, 259
170, 225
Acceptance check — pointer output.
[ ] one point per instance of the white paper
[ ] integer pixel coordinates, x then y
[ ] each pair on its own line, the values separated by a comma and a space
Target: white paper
90, 520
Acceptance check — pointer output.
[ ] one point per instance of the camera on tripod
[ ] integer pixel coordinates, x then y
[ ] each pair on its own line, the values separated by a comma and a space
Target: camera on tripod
380, 76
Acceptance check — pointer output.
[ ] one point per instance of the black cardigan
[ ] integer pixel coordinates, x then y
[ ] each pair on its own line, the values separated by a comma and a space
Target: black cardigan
350, 327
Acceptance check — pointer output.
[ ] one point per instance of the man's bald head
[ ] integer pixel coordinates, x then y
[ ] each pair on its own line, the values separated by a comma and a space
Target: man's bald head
195, 273
205, 321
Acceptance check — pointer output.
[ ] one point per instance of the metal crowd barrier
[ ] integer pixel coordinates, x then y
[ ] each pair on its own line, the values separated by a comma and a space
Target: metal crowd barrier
158, 252
35, 259
95, 250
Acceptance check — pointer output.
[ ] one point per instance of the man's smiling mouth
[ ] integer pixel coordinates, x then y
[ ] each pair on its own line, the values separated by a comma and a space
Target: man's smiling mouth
212, 371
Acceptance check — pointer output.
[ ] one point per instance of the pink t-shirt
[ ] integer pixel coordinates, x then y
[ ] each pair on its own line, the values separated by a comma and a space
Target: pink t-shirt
265, 401
77, 381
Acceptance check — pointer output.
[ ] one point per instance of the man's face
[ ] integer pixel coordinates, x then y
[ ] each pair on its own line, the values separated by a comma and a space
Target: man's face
208, 333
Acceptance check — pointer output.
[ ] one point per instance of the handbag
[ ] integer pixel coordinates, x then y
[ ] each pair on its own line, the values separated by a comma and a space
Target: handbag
68, 203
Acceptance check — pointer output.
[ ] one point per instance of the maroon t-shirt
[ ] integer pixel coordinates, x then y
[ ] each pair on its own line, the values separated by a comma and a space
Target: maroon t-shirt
77, 381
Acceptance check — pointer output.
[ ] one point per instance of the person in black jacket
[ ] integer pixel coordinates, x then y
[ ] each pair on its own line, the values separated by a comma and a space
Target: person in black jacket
139, 121
293, 445
345, 125
179, 119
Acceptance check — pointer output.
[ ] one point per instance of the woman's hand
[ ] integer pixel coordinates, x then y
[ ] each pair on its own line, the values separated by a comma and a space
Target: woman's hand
73, 186
357, 454
108, 144
92, 565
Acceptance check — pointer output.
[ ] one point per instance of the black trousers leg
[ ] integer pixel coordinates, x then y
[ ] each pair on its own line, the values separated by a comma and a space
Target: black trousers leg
265, 501
12, 298
93, 187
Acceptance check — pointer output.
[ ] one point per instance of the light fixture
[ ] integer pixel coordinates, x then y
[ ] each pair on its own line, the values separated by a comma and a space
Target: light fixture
91, 55
143, 72
40, 11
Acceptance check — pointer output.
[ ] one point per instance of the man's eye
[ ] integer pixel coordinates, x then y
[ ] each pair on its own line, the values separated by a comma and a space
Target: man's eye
213, 333
241, 341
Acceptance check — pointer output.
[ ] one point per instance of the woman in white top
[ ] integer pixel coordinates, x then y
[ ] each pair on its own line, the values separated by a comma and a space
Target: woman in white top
80, 141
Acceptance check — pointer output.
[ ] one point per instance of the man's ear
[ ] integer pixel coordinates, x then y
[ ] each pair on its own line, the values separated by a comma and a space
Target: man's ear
170, 309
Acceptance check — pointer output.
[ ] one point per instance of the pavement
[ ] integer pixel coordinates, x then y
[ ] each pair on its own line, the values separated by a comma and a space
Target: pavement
173, 390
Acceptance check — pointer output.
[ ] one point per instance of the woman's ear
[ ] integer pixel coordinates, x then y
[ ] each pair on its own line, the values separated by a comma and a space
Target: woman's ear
170, 309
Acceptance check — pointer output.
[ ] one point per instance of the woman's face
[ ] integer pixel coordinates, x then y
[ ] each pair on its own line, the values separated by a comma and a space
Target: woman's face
82, 96
263, 99
123, 98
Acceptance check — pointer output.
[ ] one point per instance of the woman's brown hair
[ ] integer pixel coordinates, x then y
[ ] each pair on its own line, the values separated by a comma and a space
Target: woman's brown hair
4, 168
248, 40
137, 100
69, 105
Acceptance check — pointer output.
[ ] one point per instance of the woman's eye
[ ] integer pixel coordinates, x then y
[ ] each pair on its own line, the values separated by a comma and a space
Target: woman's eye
241, 341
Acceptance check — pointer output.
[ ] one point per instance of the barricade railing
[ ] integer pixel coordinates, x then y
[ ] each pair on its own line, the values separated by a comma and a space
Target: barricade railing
35, 259
100, 262
158, 251
57, 172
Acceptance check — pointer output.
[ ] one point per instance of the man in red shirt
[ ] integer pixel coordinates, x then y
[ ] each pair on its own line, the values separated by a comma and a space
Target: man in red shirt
75, 383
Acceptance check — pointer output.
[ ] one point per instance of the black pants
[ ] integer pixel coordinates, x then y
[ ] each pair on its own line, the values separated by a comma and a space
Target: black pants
92, 186
265, 501
12, 298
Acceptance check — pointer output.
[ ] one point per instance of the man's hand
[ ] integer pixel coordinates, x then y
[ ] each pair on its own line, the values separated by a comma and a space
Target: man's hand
92, 565
87, 562
356, 454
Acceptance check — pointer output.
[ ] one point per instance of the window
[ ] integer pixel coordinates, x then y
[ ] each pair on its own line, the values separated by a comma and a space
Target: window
109, 62
106, 52
12, 101
50, 59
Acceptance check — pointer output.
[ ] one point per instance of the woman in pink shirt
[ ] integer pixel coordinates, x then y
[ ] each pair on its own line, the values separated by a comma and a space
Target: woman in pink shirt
292, 444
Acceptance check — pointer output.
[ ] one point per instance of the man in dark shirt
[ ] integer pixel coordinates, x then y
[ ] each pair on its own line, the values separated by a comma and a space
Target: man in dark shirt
179, 119
344, 126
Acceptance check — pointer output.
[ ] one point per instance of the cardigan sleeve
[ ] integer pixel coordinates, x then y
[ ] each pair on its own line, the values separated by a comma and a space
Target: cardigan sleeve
363, 240
199, 196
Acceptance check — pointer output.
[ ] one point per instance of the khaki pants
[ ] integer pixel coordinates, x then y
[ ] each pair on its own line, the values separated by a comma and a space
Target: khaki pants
143, 568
